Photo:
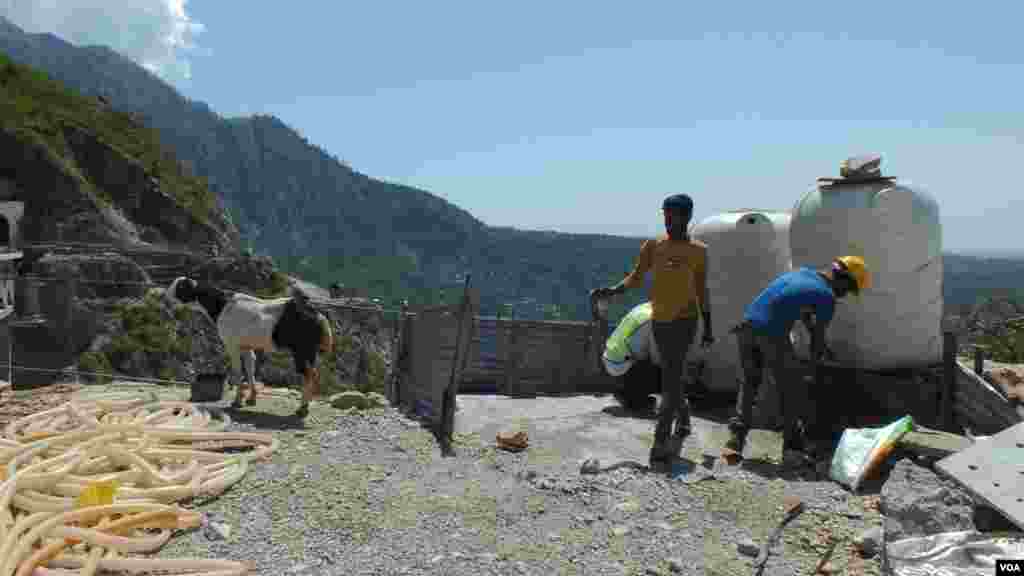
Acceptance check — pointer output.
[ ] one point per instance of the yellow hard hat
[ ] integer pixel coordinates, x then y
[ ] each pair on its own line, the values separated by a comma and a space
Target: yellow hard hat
857, 269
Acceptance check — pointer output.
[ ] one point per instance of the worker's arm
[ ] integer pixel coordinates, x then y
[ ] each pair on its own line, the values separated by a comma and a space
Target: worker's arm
636, 277
817, 330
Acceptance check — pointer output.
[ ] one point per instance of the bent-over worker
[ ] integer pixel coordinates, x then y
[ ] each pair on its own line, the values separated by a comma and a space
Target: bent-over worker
678, 296
804, 294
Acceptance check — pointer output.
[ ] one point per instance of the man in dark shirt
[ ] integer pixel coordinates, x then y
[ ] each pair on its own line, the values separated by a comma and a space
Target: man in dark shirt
763, 337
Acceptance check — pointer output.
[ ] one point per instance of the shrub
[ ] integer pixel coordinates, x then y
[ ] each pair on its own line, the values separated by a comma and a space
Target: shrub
329, 381
144, 328
278, 286
1007, 347
95, 362
376, 373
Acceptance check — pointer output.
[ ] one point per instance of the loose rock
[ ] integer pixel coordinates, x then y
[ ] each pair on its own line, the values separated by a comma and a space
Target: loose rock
917, 502
748, 547
350, 399
869, 542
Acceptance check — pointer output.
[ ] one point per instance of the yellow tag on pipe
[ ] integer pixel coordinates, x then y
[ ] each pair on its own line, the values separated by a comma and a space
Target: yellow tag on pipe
98, 494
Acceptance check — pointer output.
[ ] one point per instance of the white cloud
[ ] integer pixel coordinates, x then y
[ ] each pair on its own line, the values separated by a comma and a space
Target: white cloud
158, 34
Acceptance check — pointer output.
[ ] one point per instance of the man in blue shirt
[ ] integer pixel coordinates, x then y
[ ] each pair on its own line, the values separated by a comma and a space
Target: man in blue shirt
763, 337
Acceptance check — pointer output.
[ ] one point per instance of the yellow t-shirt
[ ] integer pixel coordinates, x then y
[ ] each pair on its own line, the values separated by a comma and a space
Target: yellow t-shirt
680, 275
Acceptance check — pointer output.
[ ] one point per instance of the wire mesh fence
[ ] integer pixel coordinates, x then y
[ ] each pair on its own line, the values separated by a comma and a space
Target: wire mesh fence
75, 374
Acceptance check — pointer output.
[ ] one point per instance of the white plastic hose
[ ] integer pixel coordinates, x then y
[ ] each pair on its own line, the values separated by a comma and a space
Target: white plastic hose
147, 449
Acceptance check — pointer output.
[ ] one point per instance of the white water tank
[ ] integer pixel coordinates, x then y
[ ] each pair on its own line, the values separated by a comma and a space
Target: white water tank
895, 227
747, 249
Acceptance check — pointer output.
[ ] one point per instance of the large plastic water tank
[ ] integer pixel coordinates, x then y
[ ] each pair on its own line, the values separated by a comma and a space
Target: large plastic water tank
747, 249
895, 227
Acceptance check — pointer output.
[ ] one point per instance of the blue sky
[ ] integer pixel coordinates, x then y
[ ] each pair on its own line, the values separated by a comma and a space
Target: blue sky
582, 116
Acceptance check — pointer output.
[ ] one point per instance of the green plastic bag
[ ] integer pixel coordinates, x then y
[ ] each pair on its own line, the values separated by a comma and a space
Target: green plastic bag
861, 450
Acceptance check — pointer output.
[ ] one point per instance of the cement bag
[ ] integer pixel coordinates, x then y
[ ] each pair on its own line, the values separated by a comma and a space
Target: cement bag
861, 450
631, 341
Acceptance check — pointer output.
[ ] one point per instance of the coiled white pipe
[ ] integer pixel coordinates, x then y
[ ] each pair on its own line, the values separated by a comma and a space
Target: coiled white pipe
48, 460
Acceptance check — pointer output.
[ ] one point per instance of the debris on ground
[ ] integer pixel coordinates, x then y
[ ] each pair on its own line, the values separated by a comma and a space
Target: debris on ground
590, 466
1009, 380
933, 444
962, 552
792, 507
512, 442
825, 566
355, 400
593, 466
869, 542
731, 457
917, 502
16, 404
748, 547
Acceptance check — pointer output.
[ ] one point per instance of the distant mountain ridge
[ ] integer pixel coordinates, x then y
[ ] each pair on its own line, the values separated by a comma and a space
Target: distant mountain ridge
295, 202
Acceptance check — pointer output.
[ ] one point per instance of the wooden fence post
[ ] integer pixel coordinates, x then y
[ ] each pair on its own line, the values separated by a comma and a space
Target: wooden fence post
979, 359
397, 355
462, 336
949, 374
513, 369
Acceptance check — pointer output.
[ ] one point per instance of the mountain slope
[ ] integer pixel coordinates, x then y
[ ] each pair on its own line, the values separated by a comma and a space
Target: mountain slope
287, 195
89, 173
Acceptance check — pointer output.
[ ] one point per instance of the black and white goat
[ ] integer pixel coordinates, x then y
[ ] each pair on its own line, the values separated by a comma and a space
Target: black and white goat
246, 323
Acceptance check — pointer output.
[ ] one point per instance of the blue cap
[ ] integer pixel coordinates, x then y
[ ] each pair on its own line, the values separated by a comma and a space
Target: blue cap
678, 202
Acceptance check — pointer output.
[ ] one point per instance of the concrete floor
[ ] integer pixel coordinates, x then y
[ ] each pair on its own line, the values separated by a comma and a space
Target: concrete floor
582, 427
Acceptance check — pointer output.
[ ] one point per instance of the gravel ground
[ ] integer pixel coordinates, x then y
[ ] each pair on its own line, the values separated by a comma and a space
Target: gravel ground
16, 404
370, 494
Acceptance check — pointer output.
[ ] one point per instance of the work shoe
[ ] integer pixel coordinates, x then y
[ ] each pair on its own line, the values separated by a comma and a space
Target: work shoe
674, 449
651, 404
620, 397
658, 458
660, 464
794, 450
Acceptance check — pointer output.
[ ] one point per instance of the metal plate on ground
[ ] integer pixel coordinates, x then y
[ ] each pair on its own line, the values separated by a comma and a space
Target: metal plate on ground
993, 470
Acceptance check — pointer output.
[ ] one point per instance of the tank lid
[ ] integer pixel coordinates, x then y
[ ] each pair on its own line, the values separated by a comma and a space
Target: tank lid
765, 211
857, 169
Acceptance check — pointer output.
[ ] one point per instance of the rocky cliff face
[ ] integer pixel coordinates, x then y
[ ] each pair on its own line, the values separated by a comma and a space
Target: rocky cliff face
88, 173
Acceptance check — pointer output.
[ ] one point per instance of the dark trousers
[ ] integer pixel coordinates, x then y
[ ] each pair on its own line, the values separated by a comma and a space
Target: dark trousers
673, 339
775, 353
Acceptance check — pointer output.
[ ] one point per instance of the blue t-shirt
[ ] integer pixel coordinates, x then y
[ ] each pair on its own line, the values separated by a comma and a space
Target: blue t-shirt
778, 306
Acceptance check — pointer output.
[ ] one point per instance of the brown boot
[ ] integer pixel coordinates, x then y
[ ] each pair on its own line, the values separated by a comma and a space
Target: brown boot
737, 439
732, 451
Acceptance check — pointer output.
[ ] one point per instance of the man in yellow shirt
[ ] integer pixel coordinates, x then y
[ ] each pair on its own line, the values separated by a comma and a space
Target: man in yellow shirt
679, 298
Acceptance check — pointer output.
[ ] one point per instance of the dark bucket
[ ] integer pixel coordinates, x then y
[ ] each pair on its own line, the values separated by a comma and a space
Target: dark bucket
208, 388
